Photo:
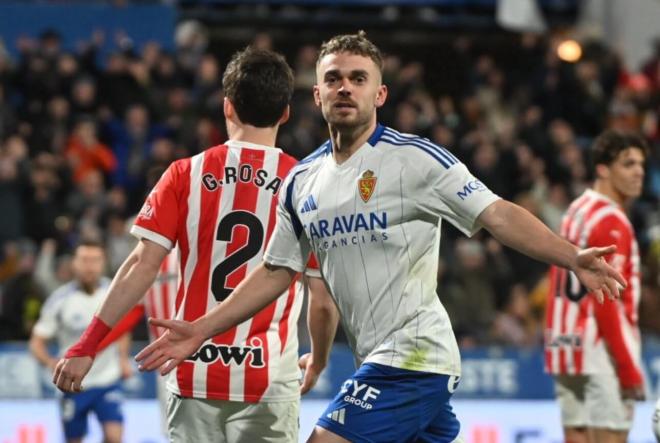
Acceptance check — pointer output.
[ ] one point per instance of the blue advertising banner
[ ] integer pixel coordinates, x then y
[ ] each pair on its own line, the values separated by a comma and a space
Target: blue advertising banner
488, 373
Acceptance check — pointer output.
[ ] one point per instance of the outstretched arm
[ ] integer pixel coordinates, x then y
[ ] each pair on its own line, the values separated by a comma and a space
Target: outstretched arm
182, 339
517, 228
322, 320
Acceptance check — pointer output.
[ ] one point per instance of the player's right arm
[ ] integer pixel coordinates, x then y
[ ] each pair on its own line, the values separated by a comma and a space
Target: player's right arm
156, 226
39, 349
260, 288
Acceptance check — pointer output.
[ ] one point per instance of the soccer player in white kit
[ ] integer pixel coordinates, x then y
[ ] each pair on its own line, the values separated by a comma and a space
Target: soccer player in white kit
369, 204
219, 208
63, 317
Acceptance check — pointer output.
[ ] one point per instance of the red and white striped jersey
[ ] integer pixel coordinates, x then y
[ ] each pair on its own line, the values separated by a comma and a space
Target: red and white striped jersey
159, 300
583, 336
219, 208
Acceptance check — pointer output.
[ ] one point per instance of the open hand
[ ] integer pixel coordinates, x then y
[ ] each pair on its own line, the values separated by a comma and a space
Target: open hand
179, 342
597, 276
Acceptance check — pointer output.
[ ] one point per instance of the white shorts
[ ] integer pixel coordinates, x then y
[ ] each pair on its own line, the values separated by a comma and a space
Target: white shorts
593, 401
220, 421
162, 395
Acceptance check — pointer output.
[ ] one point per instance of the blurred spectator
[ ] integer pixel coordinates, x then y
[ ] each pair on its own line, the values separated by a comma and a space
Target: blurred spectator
85, 153
52, 271
516, 325
131, 141
22, 296
469, 294
13, 182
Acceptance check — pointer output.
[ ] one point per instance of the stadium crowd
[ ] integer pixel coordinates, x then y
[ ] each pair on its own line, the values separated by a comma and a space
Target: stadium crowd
83, 137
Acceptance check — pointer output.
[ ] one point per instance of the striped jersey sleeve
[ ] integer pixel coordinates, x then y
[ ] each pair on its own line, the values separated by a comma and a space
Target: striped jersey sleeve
159, 217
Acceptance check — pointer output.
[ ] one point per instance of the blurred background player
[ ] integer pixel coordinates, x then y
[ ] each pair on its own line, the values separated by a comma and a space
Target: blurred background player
64, 316
592, 349
219, 208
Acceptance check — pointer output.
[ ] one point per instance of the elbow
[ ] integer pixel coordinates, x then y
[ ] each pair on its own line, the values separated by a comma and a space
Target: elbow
34, 345
495, 217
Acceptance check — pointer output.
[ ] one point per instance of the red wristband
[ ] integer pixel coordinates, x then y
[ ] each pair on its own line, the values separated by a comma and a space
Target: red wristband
89, 340
629, 377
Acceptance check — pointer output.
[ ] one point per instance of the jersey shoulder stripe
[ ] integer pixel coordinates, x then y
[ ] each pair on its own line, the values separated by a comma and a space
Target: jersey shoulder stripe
438, 153
320, 152
445, 153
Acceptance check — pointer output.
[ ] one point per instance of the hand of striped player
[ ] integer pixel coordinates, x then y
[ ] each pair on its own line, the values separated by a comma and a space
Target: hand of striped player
597, 275
69, 373
180, 341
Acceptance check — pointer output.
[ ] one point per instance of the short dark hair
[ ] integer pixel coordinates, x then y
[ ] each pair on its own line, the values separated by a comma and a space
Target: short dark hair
357, 44
609, 144
90, 242
259, 83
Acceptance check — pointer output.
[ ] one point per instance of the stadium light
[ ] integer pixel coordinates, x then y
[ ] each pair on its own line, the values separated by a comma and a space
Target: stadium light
569, 51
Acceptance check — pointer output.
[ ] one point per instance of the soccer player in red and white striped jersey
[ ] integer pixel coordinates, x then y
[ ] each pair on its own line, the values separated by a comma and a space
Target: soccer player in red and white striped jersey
219, 208
594, 349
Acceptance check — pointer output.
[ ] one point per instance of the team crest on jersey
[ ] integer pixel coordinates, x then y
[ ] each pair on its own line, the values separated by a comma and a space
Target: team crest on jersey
367, 184
147, 211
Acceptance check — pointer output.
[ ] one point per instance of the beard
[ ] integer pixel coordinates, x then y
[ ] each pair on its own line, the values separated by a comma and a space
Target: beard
347, 121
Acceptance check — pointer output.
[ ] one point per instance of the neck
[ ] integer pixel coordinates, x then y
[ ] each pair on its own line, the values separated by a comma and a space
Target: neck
252, 134
345, 142
606, 188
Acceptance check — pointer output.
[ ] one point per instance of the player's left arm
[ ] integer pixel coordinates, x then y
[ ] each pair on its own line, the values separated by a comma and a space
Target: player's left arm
454, 194
611, 316
124, 345
322, 321
517, 228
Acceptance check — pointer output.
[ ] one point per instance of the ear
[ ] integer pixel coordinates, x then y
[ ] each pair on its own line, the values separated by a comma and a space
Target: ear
317, 95
381, 96
228, 109
602, 171
285, 115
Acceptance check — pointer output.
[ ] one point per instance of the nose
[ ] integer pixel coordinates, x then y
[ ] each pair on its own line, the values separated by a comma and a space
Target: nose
345, 88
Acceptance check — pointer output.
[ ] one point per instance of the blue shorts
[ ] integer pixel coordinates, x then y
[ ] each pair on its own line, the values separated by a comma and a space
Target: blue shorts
385, 404
104, 402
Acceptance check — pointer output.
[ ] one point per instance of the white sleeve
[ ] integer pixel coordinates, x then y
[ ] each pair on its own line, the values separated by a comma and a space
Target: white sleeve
455, 195
47, 325
288, 245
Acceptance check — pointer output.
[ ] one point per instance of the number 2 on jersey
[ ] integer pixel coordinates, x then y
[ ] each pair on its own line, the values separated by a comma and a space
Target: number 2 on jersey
241, 256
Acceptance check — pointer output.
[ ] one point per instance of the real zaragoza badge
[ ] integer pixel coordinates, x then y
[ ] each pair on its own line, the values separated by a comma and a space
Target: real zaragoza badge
367, 184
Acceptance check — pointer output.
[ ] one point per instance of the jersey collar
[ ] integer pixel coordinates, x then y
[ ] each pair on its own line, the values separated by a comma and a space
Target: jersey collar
375, 136
242, 144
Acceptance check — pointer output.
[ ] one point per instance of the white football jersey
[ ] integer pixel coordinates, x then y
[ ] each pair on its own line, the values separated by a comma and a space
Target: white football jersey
374, 224
65, 316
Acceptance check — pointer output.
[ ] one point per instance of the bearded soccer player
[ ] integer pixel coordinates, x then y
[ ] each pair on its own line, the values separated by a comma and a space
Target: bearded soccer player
218, 207
369, 203
592, 349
